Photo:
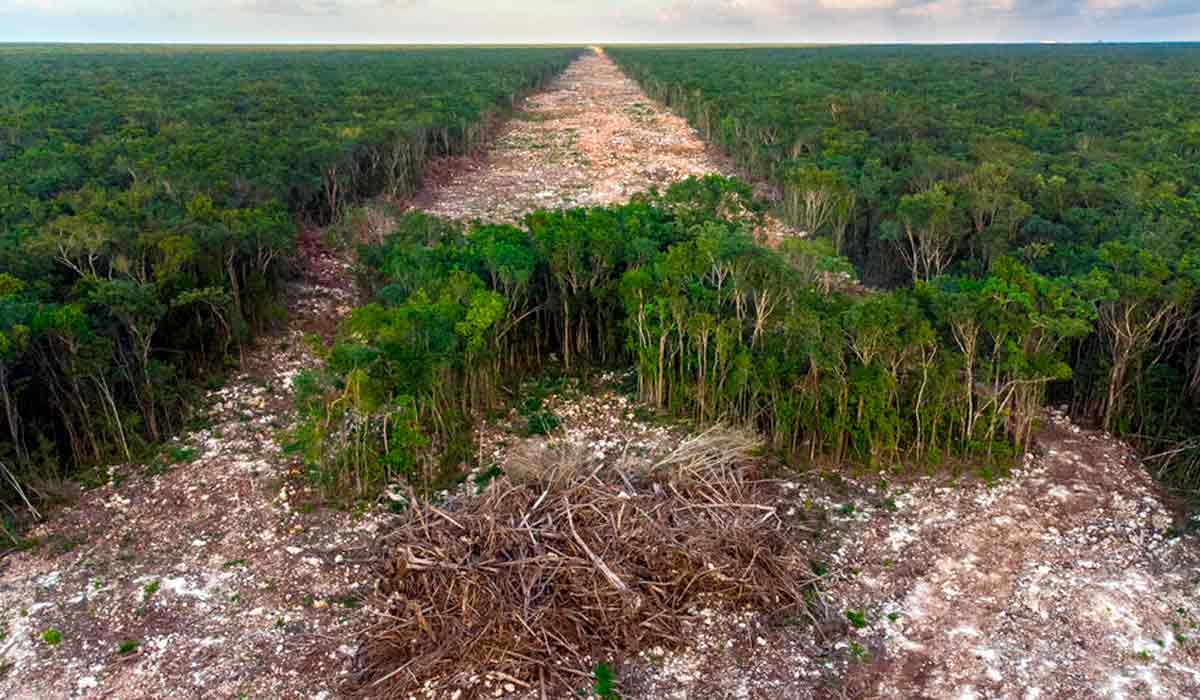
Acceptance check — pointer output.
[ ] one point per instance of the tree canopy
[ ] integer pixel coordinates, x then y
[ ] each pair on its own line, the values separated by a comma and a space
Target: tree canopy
149, 200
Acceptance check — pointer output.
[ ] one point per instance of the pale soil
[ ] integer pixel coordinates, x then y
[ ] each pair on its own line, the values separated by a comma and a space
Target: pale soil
1066, 578
252, 587
1059, 581
592, 138
211, 566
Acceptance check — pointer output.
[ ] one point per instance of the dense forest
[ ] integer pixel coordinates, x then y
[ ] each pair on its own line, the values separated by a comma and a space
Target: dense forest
1025, 220
149, 203
612, 425
718, 327
936, 164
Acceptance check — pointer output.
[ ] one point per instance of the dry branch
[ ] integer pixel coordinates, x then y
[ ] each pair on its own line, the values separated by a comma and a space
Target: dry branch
567, 562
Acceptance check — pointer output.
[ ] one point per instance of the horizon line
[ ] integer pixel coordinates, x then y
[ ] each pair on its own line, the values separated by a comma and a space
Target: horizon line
699, 42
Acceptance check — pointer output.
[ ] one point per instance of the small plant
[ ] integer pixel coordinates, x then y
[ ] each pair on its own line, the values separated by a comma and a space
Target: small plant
539, 420
541, 423
604, 683
150, 589
485, 477
127, 647
183, 454
857, 618
52, 636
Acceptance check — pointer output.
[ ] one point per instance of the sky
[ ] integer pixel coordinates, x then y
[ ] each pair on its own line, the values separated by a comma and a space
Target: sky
592, 21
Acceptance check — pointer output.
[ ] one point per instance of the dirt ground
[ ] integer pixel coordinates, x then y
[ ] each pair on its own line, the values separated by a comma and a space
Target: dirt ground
591, 138
206, 564
210, 574
1066, 578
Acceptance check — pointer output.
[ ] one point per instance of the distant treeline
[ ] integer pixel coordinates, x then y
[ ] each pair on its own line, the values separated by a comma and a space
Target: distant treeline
1080, 162
148, 208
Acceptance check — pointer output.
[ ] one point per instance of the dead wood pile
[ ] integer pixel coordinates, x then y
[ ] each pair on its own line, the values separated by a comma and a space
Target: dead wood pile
564, 562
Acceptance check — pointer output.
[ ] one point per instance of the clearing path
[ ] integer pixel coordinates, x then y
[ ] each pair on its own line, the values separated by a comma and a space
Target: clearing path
591, 138
206, 573
1066, 579
211, 573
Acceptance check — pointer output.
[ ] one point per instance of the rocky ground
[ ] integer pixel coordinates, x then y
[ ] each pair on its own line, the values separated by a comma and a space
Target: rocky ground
591, 138
208, 571
1066, 578
211, 572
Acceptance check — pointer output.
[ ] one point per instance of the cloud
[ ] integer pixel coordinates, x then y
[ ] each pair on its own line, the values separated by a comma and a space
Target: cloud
315, 7
844, 21
777, 17
71, 8
1140, 8
931, 20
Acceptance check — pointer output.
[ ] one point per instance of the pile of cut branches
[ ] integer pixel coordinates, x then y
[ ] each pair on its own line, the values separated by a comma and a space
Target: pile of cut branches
564, 562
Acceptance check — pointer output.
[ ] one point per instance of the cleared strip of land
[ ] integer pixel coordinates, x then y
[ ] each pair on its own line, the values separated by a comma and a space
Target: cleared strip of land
1060, 580
592, 137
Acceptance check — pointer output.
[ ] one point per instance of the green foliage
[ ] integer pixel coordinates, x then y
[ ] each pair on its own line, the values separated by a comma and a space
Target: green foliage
182, 454
1028, 144
147, 207
542, 423
52, 636
918, 162
604, 682
126, 647
717, 327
